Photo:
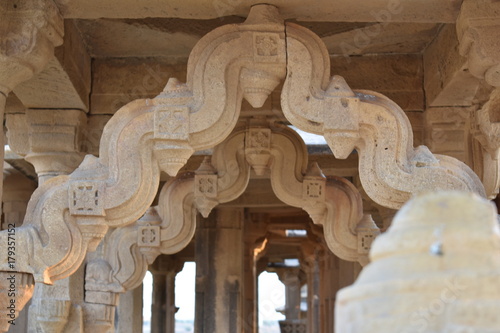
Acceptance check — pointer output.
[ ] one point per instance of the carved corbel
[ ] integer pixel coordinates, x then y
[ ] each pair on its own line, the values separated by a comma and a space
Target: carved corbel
391, 170
478, 32
30, 30
486, 146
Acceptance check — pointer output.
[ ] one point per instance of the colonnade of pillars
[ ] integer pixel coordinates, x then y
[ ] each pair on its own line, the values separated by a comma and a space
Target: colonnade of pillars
226, 283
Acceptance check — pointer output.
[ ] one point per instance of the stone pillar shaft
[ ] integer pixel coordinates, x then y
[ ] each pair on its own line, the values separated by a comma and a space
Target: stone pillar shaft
219, 272
292, 294
129, 316
312, 272
158, 305
250, 312
170, 308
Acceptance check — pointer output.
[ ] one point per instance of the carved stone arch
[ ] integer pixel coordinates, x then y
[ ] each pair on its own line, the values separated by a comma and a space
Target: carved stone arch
486, 144
332, 202
391, 170
70, 215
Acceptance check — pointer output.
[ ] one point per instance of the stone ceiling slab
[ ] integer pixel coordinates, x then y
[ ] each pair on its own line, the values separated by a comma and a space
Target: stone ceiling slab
318, 10
175, 38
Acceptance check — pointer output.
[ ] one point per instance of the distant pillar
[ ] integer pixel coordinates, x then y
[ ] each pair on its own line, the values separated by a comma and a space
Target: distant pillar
291, 279
250, 306
311, 268
170, 308
334, 274
158, 302
163, 309
219, 272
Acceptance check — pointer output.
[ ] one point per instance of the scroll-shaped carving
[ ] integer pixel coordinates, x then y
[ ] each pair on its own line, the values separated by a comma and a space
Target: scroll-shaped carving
332, 202
486, 150
391, 170
124, 257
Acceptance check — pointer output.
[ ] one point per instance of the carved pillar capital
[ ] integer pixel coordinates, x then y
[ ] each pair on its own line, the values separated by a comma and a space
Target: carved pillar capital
478, 30
30, 30
49, 139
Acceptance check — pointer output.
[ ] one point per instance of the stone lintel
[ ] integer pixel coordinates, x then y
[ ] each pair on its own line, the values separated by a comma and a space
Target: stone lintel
320, 10
118, 81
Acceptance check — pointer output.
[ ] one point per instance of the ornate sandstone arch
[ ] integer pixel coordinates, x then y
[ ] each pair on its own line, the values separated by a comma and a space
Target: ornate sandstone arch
70, 215
332, 202
391, 170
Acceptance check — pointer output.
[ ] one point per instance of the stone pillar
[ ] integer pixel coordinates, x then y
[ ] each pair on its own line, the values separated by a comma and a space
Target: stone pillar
334, 274
17, 192
219, 272
50, 140
444, 280
255, 247
3, 99
164, 271
250, 301
311, 268
30, 30
328, 285
291, 279
171, 309
159, 302
129, 312
478, 32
